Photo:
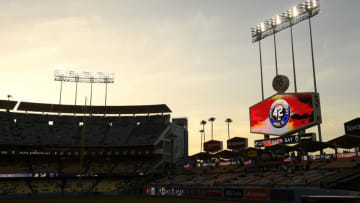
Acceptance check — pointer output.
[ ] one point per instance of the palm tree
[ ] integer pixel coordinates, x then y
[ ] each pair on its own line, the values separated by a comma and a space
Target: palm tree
212, 119
203, 123
201, 134
228, 121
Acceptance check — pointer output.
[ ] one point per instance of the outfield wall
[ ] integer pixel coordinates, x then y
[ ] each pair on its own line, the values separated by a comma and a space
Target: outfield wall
287, 194
266, 194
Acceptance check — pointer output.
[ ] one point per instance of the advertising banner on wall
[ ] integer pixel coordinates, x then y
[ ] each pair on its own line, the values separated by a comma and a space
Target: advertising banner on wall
256, 194
148, 191
346, 155
352, 127
213, 146
16, 175
210, 193
290, 139
284, 114
170, 191
235, 193
195, 192
282, 195
237, 143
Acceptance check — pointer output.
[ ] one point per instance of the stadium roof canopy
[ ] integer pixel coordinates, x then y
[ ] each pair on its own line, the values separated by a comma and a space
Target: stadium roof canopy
310, 146
279, 149
202, 156
226, 154
345, 141
6, 104
57, 108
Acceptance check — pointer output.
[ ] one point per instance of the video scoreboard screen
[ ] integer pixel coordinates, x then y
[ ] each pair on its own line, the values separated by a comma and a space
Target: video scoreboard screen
285, 114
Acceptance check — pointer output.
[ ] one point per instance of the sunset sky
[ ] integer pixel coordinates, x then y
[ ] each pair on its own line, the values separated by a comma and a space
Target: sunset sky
195, 56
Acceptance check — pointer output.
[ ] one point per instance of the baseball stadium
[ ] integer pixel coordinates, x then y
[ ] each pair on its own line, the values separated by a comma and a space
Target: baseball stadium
145, 151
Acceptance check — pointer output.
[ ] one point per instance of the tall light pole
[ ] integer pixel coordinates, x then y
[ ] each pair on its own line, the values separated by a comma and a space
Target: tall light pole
309, 6
60, 91
76, 87
91, 89
203, 123
261, 73
105, 96
201, 142
212, 119
258, 30
8, 96
228, 121
275, 22
290, 15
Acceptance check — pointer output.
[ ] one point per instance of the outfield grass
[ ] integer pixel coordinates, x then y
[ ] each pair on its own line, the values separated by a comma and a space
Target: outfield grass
111, 199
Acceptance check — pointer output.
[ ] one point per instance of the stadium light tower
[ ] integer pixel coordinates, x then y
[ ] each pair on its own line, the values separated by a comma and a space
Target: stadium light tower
297, 14
228, 121
84, 77
212, 119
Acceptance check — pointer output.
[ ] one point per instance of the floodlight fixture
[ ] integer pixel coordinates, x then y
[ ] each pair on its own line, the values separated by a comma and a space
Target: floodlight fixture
277, 20
83, 77
282, 21
272, 22
262, 27
294, 12
311, 4
314, 3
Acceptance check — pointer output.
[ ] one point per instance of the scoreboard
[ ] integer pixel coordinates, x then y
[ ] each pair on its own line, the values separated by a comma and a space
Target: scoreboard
285, 114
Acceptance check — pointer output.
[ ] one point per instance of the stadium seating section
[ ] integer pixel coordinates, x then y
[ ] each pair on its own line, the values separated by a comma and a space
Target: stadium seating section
115, 173
297, 173
56, 186
50, 130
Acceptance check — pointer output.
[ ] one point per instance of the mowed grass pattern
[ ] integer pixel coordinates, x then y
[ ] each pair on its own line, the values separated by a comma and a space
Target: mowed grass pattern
111, 199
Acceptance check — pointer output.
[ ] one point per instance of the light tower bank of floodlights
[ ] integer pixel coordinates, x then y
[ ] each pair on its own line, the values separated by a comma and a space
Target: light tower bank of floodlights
83, 77
286, 113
